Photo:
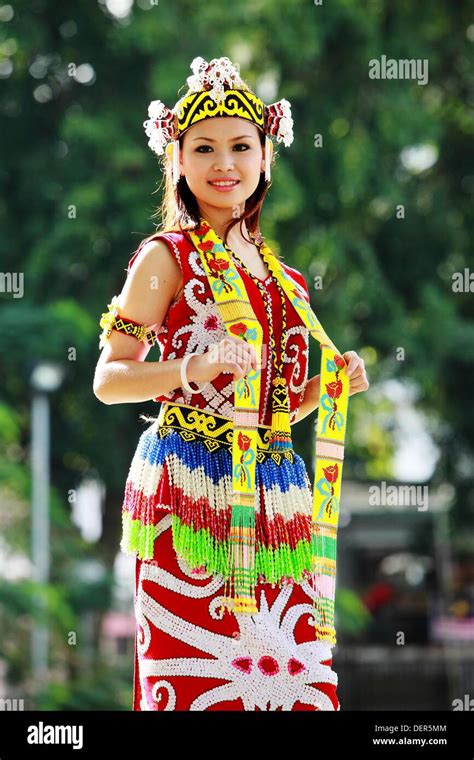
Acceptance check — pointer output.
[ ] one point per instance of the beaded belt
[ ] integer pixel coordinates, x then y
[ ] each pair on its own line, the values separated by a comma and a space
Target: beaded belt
214, 430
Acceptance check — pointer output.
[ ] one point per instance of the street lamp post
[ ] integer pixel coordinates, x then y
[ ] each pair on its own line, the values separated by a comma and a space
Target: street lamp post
45, 379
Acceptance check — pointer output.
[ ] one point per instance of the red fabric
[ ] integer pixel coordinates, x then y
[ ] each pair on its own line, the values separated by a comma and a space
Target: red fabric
193, 323
188, 657
255, 669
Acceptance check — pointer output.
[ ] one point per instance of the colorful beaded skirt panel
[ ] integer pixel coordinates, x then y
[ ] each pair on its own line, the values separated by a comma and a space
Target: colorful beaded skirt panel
183, 463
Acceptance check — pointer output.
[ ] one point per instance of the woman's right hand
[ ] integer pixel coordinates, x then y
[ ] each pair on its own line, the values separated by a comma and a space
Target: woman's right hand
231, 355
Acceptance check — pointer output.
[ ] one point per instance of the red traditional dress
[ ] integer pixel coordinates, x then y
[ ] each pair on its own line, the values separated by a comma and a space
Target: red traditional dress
188, 655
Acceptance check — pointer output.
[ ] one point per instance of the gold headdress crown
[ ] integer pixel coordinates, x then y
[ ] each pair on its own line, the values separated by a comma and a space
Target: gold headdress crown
215, 89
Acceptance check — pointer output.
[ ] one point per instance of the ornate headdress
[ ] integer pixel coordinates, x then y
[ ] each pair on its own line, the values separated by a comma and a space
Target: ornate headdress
216, 89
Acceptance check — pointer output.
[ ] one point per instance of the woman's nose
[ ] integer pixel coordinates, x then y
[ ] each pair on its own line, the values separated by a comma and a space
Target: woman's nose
223, 162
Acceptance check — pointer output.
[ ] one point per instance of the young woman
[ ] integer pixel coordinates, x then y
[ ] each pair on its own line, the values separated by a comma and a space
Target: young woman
235, 556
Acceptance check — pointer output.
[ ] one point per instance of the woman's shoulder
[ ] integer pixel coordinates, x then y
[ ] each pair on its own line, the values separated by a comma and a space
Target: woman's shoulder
175, 238
296, 275
178, 234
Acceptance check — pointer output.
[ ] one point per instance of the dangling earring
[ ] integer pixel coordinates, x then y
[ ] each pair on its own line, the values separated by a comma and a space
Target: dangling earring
268, 158
175, 168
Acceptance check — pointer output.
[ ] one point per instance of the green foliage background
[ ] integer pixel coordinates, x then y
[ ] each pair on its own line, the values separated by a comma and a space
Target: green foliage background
332, 211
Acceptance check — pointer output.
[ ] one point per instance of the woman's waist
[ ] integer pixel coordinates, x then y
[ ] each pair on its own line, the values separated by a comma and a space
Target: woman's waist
213, 429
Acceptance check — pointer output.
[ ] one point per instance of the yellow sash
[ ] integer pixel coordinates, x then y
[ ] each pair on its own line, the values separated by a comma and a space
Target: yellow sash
233, 302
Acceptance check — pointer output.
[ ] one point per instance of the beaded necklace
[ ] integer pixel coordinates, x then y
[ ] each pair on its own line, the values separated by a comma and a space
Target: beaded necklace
280, 398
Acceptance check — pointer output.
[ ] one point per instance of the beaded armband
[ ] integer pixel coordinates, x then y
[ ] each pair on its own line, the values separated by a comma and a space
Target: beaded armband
111, 320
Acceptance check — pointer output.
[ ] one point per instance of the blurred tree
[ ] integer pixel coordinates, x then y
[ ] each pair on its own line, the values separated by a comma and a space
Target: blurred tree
380, 211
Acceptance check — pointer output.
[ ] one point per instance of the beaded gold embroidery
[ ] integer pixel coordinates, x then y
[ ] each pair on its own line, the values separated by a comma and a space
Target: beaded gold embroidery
111, 320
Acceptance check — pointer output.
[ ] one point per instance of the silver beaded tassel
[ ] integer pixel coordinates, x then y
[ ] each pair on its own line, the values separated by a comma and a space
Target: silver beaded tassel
175, 168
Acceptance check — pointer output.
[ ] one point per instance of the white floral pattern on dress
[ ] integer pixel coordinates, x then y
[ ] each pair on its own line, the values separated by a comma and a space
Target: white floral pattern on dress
263, 664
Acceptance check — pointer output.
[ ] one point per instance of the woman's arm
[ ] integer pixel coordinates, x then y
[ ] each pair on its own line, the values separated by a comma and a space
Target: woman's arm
310, 400
127, 380
122, 375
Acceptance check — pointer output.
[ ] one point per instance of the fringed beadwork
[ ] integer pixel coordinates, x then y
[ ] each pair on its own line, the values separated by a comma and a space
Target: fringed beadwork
184, 463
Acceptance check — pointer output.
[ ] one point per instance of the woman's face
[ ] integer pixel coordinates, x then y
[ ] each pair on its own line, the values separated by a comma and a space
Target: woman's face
222, 148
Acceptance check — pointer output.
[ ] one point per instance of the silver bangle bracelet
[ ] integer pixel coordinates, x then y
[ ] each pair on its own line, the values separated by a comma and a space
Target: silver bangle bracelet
184, 379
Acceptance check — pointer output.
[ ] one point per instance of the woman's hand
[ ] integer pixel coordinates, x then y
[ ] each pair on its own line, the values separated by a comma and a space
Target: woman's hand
356, 373
230, 355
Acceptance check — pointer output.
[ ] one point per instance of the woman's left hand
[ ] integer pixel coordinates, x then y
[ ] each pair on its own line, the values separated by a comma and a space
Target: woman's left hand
356, 373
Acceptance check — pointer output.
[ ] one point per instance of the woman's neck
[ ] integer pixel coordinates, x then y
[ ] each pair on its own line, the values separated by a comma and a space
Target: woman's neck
219, 222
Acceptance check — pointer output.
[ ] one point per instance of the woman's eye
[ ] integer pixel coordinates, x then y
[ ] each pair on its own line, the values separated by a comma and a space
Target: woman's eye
238, 145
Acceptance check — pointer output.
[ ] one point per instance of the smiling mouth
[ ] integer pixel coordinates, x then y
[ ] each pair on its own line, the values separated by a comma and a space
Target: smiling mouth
224, 183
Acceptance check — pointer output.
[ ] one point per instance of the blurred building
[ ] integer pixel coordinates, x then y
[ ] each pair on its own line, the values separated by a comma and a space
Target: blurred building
416, 648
